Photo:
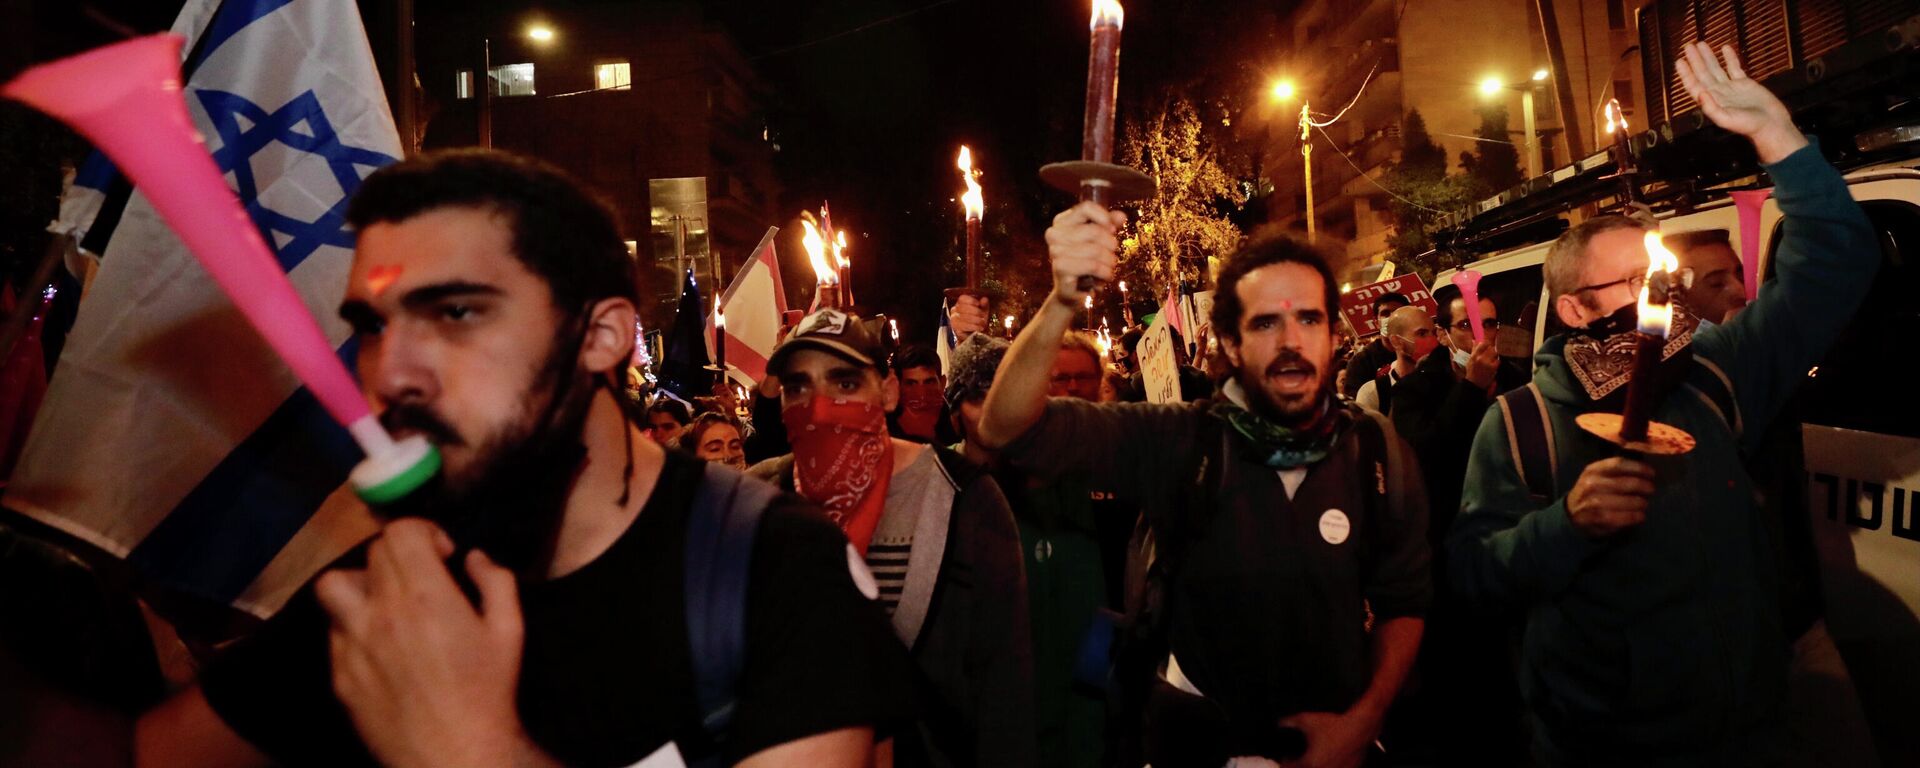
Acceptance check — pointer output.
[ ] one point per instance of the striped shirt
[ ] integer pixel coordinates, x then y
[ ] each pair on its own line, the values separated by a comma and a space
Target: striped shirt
892, 543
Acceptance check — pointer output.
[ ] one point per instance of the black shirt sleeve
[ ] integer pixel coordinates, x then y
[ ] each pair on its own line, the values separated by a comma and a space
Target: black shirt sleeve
275, 688
820, 654
1136, 450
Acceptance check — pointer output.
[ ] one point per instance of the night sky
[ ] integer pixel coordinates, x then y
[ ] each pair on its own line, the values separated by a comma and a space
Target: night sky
872, 119
873, 97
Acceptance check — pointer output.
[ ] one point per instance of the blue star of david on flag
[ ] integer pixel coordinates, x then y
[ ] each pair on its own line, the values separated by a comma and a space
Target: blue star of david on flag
239, 143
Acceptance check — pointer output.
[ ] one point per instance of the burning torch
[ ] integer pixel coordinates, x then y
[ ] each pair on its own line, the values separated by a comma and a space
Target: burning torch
1095, 176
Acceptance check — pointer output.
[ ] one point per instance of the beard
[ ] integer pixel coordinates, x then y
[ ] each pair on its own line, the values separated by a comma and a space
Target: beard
1285, 408
510, 501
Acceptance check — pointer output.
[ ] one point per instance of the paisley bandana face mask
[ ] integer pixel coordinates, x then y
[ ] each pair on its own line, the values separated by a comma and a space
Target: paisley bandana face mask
842, 460
1601, 354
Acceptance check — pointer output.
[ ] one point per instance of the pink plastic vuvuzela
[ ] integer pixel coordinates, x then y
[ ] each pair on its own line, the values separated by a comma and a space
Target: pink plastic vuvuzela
1468, 281
1747, 203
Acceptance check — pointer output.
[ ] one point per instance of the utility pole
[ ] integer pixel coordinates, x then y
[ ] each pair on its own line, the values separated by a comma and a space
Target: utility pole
1306, 162
1562, 82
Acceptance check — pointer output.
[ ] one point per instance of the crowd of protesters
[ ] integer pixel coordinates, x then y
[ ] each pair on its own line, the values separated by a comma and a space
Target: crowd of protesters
1327, 552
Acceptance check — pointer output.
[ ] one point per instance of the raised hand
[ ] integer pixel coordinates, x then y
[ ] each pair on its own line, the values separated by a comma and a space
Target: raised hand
1483, 364
1739, 103
967, 316
1082, 241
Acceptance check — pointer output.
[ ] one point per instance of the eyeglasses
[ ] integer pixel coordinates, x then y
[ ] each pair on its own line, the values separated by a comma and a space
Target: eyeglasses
1682, 279
1074, 378
1488, 323
1633, 283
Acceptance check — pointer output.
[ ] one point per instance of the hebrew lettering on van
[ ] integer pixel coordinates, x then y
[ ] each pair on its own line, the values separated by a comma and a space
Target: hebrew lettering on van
1833, 493
1871, 520
1903, 524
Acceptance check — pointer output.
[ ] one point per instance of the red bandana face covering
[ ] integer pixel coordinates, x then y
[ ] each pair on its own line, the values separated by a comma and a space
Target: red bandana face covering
842, 460
920, 417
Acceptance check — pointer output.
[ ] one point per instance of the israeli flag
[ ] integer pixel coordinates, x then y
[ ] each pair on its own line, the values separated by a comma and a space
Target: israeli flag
171, 435
944, 341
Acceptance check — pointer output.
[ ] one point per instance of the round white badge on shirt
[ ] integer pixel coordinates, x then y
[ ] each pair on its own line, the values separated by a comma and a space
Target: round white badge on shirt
1334, 526
862, 576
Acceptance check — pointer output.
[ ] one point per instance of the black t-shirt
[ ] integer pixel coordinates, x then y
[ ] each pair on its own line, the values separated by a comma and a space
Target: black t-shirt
606, 676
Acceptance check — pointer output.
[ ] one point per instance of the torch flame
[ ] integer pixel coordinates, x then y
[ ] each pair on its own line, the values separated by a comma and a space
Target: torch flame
1615, 121
1009, 322
719, 317
972, 200
1108, 13
894, 326
840, 245
1656, 319
1089, 301
823, 272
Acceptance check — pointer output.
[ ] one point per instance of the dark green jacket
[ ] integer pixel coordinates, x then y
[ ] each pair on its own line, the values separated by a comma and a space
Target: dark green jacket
1663, 645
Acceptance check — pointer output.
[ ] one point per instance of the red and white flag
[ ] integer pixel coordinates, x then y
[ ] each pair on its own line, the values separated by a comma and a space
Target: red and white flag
1174, 311
754, 305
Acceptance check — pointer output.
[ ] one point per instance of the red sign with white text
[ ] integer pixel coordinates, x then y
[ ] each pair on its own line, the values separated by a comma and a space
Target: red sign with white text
1357, 305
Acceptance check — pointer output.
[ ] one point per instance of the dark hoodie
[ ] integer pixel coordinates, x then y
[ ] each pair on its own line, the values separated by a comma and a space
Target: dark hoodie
1662, 645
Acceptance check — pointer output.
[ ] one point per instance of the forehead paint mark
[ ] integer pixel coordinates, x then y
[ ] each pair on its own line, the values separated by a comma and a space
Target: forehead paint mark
380, 278
1286, 304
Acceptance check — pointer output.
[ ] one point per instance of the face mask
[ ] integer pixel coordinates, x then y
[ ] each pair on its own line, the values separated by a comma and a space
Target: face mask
1461, 357
1601, 354
1622, 320
922, 398
842, 460
1422, 346
920, 422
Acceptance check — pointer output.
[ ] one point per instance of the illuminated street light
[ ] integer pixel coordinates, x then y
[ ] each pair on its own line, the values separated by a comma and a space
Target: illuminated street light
540, 33
1492, 86
1283, 90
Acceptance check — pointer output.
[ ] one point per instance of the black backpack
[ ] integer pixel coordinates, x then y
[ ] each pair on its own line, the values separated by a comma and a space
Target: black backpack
727, 508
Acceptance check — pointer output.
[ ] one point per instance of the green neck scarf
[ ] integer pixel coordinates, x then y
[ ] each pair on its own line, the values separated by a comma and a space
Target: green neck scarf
1278, 446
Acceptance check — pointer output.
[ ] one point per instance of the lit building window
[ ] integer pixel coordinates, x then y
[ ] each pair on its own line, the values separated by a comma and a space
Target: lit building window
511, 80
463, 84
613, 75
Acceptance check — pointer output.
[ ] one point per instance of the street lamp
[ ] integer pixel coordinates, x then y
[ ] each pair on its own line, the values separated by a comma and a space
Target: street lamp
1283, 92
539, 33
1492, 86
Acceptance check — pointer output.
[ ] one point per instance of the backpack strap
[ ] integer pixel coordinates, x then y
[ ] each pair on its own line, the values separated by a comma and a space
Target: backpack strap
1530, 437
1716, 390
727, 507
1377, 450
